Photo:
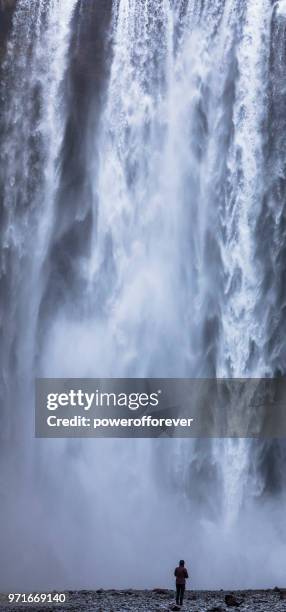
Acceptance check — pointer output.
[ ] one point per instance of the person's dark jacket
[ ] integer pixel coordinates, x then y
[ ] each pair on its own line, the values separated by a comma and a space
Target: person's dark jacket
181, 574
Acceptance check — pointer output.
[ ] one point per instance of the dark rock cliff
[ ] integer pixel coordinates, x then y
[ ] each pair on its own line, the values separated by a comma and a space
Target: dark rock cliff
6, 13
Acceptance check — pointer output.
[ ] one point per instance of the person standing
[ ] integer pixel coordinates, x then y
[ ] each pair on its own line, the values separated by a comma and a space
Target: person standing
181, 574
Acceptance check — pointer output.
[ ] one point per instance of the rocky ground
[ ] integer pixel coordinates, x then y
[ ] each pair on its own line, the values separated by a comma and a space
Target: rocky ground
160, 600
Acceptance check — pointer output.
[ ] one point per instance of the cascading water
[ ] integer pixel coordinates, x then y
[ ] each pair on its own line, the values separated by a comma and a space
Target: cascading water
33, 127
143, 163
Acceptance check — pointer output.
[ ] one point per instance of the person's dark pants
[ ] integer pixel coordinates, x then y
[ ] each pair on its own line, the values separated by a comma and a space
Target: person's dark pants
180, 588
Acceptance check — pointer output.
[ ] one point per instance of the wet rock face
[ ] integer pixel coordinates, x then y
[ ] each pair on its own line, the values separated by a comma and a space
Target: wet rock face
90, 56
6, 13
6, 5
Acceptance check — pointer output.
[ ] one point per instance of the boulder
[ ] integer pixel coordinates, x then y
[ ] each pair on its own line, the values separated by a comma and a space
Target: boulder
232, 601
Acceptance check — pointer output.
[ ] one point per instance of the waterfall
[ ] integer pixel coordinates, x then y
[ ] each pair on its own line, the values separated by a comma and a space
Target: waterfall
33, 127
142, 235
